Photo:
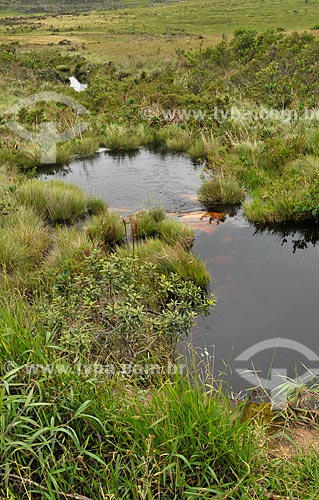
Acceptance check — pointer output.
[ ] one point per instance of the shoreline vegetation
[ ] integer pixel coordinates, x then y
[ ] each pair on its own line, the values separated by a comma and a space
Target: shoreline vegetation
91, 304
245, 109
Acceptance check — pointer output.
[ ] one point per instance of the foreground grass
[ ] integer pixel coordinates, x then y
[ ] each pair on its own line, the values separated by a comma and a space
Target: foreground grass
87, 430
102, 438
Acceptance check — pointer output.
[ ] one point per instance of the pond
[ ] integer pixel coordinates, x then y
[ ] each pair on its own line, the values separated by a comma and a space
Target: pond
266, 281
143, 179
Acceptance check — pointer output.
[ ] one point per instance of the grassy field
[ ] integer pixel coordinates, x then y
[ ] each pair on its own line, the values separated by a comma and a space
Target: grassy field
152, 32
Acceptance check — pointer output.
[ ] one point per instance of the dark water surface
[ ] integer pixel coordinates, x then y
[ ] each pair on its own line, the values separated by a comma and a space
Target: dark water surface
137, 181
266, 282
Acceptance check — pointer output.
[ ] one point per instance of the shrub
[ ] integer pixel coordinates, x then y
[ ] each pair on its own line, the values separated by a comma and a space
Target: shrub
120, 305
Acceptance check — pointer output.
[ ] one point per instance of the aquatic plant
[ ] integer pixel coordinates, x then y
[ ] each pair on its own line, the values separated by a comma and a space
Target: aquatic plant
220, 191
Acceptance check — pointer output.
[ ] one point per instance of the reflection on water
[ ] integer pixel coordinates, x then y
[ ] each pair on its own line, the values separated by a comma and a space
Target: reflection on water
298, 236
135, 181
266, 282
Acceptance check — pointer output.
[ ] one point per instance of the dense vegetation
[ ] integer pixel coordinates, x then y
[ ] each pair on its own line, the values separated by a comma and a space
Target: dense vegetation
248, 107
94, 402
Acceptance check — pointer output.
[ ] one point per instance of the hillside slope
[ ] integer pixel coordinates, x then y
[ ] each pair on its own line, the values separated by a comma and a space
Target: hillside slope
62, 6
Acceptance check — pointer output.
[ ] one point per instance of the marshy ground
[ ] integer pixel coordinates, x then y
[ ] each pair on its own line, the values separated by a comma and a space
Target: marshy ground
85, 292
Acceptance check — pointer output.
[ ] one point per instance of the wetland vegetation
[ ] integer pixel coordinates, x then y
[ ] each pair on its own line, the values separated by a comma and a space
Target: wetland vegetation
95, 402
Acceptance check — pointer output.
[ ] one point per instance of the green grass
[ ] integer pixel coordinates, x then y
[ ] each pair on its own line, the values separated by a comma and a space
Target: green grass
154, 224
67, 243
84, 300
123, 138
129, 443
67, 433
146, 34
173, 232
55, 201
291, 197
220, 191
170, 260
107, 229
24, 238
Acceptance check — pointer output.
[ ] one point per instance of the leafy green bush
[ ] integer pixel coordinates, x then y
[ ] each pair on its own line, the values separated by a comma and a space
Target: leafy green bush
122, 305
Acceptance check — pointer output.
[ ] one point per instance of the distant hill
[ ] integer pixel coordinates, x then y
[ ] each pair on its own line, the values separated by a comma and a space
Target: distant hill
62, 6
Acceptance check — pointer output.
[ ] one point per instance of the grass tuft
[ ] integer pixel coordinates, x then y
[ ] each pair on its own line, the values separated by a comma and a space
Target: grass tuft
220, 191
24, 238
170, 260
54, 200
107, 228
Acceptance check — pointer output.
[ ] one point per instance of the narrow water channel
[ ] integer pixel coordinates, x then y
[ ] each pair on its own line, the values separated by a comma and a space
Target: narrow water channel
76, 85
266, 282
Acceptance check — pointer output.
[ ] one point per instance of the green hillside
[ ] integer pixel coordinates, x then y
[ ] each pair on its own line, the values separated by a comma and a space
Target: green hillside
64, 6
